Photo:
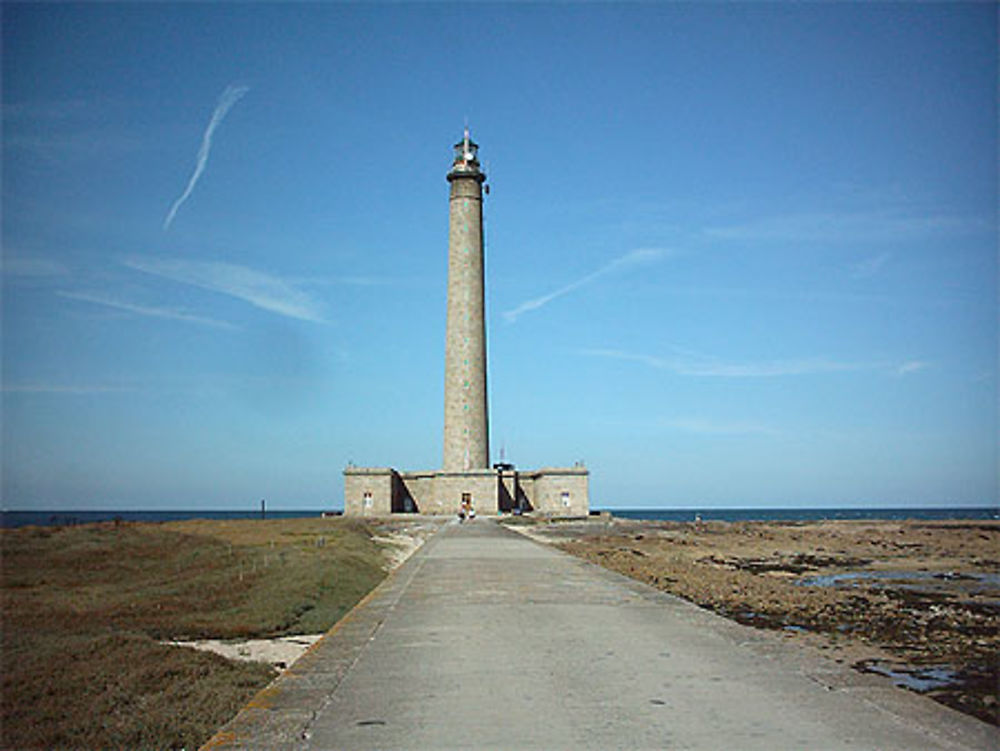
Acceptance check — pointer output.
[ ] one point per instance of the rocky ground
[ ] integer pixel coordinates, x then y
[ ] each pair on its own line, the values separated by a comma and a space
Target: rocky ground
916, 601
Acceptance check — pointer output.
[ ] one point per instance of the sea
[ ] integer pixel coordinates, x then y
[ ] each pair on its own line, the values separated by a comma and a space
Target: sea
11, 519
809, 514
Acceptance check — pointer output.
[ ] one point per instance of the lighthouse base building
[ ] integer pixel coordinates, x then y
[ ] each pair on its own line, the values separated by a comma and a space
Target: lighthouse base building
555, 491
466, 478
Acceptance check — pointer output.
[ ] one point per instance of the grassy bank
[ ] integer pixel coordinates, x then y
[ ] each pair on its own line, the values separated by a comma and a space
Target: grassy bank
84, 609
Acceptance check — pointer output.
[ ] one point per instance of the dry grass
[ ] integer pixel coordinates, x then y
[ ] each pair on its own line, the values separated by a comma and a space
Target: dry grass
84, 607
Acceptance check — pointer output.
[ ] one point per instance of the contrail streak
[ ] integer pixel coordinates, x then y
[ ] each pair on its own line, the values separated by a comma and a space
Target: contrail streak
229, 97
632, 258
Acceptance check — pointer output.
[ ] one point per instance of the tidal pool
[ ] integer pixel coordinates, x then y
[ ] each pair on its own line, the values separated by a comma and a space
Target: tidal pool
974, 582
920, 679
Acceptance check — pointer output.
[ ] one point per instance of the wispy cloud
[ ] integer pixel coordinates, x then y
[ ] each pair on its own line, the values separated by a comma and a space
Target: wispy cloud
344, 281
912, 366
705, 427
229, 97
60, 388
691, 364
173, 314
870, 266
33, 266
846, 226
639, 257
36, 111
687, 363
262, 290
57, 131
83, 144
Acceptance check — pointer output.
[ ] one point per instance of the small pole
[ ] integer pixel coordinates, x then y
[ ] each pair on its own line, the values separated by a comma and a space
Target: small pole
263, 510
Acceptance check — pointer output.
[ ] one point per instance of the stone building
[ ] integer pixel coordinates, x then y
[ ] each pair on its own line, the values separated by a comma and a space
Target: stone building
466, 474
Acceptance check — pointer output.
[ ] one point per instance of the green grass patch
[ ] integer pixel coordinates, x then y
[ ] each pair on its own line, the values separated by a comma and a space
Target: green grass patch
84, 608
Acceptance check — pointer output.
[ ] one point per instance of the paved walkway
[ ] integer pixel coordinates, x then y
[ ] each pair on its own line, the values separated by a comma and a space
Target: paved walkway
486, 639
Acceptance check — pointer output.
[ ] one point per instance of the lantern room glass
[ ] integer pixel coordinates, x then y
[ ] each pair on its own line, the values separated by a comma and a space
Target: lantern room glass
466, 150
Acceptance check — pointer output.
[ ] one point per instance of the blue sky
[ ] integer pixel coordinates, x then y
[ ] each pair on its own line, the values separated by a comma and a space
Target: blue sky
737, 255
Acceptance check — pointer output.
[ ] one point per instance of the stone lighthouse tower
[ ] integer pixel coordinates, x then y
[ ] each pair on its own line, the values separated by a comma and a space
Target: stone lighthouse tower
466, 421
465, 476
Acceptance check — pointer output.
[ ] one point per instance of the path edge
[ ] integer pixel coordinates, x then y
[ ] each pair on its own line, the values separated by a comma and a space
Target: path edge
279, 715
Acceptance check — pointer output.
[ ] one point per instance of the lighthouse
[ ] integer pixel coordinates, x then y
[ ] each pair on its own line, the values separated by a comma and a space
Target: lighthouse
466, 412
466, 480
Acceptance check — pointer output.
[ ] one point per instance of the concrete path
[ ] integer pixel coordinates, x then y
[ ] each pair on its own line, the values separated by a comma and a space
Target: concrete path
486, 639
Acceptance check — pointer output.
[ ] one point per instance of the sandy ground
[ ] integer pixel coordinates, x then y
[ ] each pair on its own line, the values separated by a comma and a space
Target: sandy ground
916, 601
399, 539
280, 652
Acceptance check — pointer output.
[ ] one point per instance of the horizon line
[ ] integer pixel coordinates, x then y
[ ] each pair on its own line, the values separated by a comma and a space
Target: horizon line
256, 509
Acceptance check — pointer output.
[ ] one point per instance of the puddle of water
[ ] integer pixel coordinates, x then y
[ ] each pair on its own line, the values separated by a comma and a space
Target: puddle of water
920, 679
976, 582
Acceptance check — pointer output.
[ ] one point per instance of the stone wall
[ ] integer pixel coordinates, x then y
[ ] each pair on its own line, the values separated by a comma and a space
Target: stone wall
558, 491
368, 491
417, 489
481, 487
553, 491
